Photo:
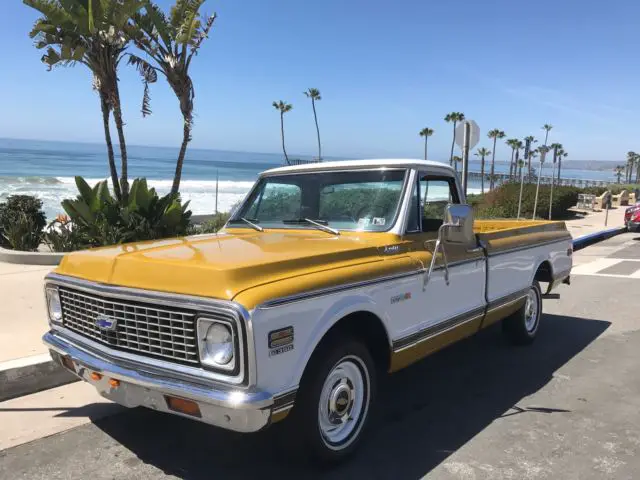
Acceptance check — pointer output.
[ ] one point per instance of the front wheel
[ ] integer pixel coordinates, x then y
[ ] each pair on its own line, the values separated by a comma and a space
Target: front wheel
521, 327
335, 400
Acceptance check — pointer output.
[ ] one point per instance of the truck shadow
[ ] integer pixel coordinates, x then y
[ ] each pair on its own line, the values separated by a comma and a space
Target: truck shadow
425, 413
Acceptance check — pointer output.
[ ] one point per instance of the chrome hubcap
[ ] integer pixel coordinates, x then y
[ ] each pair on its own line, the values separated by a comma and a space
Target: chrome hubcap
344, 401
531, 311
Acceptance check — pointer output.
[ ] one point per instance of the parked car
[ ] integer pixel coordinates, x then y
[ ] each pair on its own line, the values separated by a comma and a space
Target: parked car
326, 277
632, 218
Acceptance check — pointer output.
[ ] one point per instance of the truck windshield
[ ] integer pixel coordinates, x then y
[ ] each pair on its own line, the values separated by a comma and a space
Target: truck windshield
364, 200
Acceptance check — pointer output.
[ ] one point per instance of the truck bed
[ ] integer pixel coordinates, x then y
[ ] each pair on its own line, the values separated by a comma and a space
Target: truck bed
500, 235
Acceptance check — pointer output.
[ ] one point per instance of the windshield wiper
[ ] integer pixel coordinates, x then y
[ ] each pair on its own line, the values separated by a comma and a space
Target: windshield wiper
248, 222
316, 224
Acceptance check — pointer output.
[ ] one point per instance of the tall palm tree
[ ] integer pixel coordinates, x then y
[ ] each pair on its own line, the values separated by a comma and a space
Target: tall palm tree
171, 42
521, 164
543, 152
556, 148
618, 171
546, 127
426, 133
453, 117
314, 95
482, 153
531, 141
283, 107
94, 33
456, 160
631, 158
637, 163
495, 134
512, 166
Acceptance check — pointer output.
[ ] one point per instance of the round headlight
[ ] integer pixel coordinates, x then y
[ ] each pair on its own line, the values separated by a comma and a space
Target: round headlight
218, 345
53, 305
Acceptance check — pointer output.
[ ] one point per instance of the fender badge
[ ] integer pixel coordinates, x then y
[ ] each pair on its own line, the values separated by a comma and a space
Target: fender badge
401, 298
106, 323
391, 249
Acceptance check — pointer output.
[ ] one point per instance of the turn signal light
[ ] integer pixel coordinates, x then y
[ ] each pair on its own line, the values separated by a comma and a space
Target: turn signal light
114, 383
96, 376
183, 406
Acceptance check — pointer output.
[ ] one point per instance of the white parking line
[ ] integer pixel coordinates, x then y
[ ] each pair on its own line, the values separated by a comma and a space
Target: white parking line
593, 268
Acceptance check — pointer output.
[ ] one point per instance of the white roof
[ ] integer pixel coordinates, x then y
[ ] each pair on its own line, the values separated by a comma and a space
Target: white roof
349, 164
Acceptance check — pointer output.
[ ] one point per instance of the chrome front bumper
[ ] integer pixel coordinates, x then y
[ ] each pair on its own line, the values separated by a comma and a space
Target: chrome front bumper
220, 405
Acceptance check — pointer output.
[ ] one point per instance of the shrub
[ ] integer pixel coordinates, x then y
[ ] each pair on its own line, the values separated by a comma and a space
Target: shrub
99, 219
503, 201
210, 226
21, 222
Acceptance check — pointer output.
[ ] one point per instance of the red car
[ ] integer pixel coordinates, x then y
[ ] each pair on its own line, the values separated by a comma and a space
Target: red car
632, 218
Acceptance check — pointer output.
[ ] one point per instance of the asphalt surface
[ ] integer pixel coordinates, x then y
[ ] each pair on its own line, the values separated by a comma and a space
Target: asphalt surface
567, 407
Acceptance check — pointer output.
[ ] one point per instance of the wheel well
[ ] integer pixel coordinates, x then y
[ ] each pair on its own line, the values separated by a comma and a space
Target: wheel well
544, 272
366, 327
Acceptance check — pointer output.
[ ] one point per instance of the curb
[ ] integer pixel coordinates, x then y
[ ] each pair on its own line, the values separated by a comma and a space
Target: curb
30, 258
586, 240
24, 376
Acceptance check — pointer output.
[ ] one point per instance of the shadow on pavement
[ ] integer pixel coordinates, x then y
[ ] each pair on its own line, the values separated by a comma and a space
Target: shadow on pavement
425, 413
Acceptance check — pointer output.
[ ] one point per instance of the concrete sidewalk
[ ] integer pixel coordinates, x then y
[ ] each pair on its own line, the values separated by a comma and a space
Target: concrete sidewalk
595, 221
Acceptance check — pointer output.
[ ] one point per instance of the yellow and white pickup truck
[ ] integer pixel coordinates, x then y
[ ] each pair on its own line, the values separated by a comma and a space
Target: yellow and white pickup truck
326, 277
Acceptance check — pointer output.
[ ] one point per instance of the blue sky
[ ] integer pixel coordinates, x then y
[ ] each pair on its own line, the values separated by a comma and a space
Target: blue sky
385, 70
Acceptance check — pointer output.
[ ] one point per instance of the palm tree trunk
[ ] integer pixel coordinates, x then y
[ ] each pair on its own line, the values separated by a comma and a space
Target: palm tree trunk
425, 147
315, 117
110, 155
124, 171
638, 173
512, 165
186, 138
535, 203
529, 168
453, 143
482, 175
553, 178
284, 150
493, 161
559, 170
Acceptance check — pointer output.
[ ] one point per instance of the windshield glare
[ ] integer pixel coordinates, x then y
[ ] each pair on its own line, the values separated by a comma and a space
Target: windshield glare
357, 200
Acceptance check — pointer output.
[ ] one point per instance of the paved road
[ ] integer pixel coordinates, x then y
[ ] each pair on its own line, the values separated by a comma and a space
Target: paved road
567, 407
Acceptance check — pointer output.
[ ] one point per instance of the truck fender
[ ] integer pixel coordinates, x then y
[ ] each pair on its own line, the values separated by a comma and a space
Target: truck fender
339, 310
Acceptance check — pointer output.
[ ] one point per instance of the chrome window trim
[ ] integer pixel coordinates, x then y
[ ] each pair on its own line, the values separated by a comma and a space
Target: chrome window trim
401, 199
201, 305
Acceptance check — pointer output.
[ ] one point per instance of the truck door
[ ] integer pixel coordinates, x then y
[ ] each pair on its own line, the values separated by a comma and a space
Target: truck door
440, 307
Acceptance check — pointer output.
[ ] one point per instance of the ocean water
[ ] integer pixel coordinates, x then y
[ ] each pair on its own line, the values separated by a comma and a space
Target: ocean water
47, 169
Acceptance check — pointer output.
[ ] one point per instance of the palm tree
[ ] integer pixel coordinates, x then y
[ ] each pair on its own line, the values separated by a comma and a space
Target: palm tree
618, 171
531, 141
94, 34
171, 42
561, 154
283, 107
456, 161
453, 117
495, 134
631, 158
556, 148
512, 144
426, 133
482, 153
314, 95
637, 163
546, 127
521, 164
543, 152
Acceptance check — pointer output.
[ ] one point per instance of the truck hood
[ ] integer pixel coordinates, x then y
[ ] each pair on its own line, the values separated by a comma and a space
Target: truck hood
225, 264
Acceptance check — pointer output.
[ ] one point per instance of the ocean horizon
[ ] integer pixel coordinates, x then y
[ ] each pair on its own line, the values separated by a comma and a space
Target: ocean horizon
46, 169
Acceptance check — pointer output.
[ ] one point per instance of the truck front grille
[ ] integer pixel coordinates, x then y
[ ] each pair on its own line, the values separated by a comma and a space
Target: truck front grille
166, 333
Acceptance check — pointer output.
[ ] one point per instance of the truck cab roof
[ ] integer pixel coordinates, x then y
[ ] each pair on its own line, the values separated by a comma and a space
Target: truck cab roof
435, 167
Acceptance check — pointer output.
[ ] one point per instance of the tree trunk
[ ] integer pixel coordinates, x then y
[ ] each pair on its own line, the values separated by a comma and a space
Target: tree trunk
425, 147
177, 176
315, 117
559, 169
453, 143
284, 150
512, 165
493, 161
111, 157
529, 168
638, 173
124, 171
482, 175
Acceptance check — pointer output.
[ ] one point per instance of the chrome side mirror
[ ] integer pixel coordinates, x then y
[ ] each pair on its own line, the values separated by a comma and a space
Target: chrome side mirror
458, 229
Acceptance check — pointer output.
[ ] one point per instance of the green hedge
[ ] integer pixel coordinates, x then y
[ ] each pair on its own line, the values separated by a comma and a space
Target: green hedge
502, 202
21, 222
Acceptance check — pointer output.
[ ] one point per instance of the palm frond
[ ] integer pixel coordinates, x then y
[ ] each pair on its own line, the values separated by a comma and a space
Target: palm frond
149, 75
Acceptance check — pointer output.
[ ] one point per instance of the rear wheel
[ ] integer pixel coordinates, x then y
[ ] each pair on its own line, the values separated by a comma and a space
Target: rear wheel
521, 327
335, 399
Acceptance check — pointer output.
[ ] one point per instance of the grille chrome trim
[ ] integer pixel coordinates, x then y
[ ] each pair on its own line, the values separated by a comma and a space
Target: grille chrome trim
140, 327
236, 313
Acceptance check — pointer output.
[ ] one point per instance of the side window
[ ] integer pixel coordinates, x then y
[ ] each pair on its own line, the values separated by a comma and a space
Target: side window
435, 194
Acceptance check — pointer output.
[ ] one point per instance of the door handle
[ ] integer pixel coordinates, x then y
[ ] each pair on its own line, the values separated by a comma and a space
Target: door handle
475, 250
